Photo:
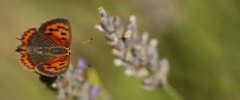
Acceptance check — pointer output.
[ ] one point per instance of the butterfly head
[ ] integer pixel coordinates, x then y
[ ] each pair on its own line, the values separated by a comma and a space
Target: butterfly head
20, 49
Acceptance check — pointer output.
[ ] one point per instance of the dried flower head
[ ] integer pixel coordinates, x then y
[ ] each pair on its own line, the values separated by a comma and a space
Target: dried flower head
137, 54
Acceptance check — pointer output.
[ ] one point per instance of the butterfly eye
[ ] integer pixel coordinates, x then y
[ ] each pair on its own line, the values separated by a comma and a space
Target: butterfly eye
57, 51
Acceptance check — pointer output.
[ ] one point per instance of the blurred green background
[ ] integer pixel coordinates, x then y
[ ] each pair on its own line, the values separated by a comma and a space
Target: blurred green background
200, 37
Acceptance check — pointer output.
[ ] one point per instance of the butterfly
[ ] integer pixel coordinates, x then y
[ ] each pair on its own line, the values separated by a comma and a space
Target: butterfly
46, 50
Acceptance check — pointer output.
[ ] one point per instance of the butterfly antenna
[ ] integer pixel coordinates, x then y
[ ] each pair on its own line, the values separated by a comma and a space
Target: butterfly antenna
90, 38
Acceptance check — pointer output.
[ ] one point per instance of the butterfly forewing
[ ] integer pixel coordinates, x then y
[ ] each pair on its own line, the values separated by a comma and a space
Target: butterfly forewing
58, 31
27, 36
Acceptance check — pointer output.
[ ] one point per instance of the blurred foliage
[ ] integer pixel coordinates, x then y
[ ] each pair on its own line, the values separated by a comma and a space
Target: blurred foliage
200, 38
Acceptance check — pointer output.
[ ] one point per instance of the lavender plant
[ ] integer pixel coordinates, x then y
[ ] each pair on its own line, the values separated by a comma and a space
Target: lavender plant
80, 83
136, 53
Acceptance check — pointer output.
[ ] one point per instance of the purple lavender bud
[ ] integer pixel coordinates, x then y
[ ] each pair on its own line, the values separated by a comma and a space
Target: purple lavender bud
95, 92
81, 64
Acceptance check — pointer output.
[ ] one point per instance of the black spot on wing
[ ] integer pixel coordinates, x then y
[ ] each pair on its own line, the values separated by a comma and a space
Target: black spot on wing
61, 64
63, 39
49, 34
63, 33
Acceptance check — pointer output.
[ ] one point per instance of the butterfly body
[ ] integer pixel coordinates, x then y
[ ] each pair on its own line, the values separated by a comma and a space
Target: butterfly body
47, 50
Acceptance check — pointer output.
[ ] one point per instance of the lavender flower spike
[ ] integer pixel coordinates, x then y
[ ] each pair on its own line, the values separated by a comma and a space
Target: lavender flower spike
76, 84
138, 54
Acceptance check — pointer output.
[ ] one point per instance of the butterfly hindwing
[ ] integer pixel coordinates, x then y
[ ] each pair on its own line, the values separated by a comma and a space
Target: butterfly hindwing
54, 66
37, 59
58, 31
38, 40
25, 60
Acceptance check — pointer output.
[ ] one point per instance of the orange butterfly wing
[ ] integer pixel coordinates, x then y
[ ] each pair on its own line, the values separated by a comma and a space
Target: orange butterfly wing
25, 60
25, 42
26, 38
58, 31
54, 66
